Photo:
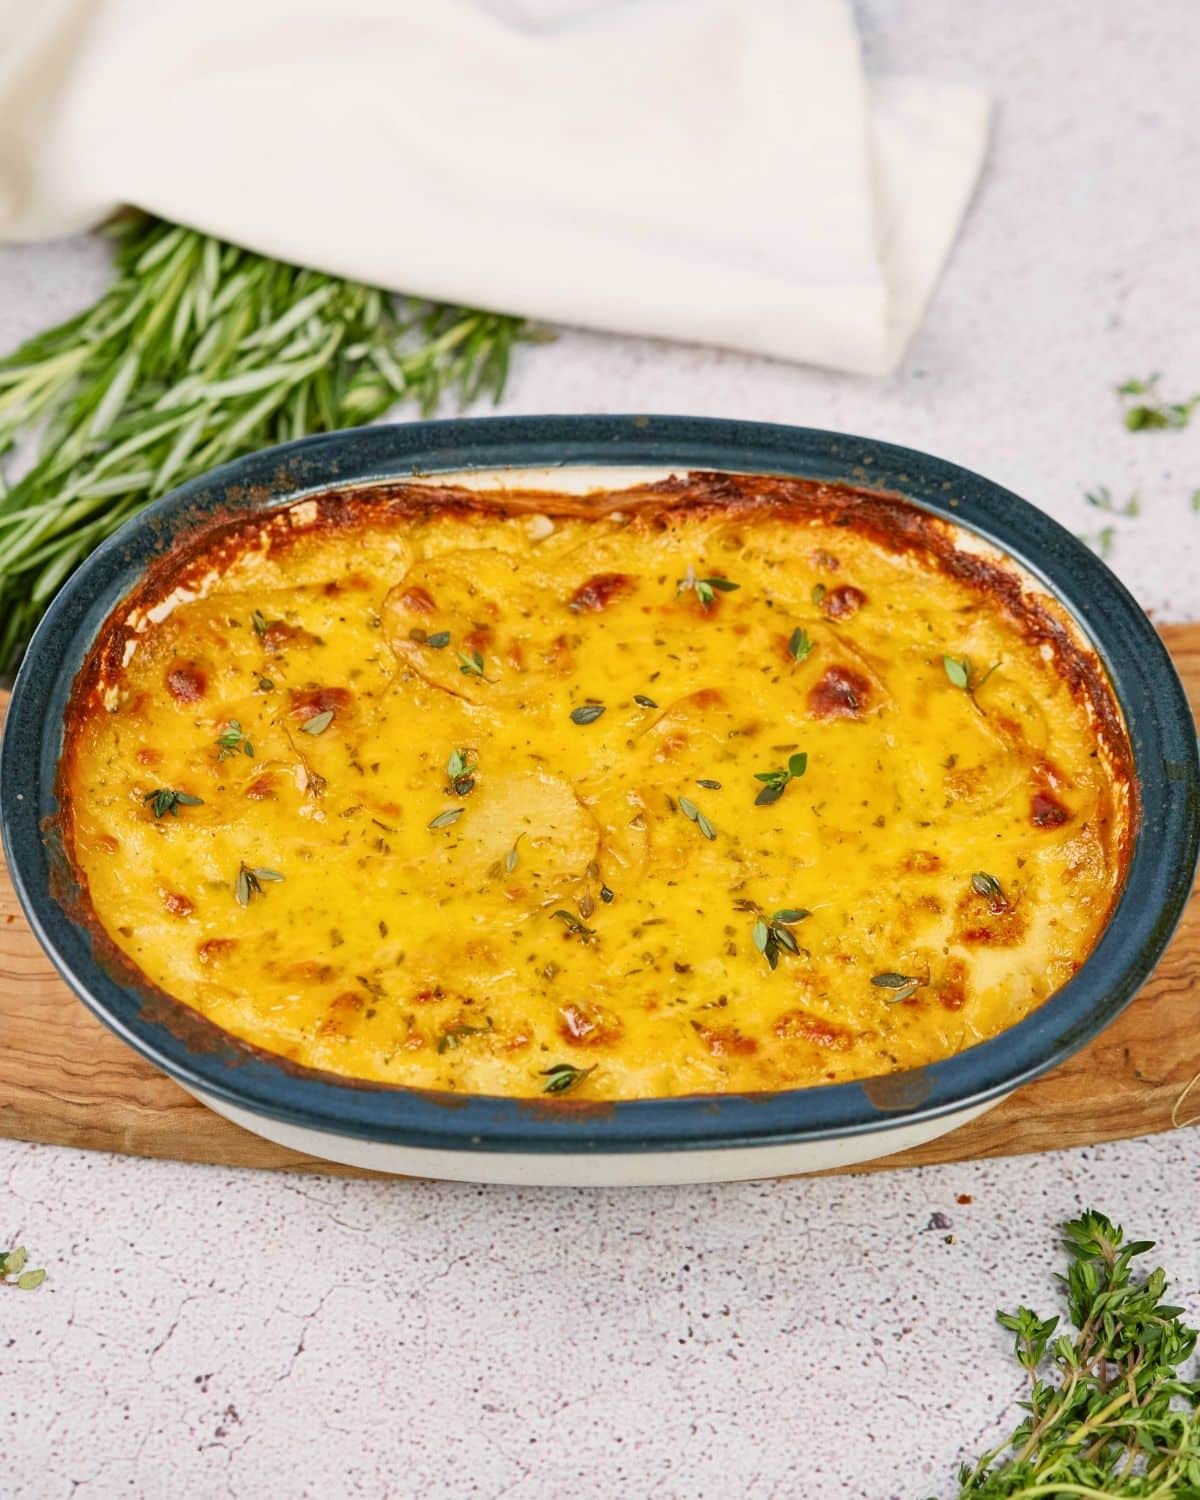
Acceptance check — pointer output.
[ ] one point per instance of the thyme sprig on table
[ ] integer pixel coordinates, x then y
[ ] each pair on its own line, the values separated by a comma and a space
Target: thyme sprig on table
1147, 411
197, 353
16, 1272
1110, 1415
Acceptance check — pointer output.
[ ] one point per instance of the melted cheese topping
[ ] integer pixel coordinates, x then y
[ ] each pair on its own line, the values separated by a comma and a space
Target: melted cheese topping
475, 888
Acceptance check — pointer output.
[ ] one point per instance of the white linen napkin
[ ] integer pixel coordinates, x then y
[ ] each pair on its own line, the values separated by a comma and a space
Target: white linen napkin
709, 170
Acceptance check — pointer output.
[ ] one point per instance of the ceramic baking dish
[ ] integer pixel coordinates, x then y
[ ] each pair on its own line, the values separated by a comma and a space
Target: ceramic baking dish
693, 1139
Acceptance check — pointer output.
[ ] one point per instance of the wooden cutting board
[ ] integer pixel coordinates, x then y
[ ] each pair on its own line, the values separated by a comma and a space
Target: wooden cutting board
65, 1080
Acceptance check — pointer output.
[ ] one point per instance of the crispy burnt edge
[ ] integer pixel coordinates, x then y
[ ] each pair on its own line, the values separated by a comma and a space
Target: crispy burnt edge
887, 519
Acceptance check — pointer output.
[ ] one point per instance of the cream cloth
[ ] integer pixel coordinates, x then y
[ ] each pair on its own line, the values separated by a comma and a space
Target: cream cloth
709, 170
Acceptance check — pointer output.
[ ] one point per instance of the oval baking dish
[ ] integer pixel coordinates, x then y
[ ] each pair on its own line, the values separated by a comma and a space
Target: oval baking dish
691, 1137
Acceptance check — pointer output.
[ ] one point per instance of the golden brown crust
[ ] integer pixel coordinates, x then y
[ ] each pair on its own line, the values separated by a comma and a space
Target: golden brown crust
886, 520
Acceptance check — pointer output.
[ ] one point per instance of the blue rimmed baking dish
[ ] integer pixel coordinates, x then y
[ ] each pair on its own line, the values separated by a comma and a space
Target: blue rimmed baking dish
685, 1139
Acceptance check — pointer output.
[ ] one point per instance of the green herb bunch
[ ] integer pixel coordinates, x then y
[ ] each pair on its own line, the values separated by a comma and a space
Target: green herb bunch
1109, 1413
197, 353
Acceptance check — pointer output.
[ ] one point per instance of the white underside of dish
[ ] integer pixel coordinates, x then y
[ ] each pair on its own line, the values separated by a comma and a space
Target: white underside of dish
608, 1169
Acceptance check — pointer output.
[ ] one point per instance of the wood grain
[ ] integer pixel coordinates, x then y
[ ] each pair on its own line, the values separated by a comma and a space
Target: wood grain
66, 1081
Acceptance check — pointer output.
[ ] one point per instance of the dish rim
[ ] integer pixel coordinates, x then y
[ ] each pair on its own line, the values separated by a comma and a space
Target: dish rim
1143, 677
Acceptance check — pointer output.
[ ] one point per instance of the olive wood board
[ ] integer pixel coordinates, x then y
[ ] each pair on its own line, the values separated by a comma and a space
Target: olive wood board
65, 1080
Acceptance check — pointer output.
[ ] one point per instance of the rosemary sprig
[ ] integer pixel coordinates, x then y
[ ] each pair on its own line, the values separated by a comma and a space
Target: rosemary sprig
1110, 1415
200, 352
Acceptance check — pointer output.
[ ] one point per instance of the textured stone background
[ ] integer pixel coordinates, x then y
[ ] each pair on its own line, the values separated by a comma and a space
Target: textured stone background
206, 1332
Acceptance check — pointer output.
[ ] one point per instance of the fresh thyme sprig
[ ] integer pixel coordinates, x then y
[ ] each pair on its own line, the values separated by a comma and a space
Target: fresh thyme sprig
899, 986
197, 353
574, 926
166, 799
705, 589
963, 675
775, 782
249, 882
772, 934
460, 771
472, 665
1101, 498
232, 739
800, 648
563, 1077
1110, 1415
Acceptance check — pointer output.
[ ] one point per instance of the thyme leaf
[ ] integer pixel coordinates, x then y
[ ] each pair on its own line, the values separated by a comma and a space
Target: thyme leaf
167, 800
587, 713
446, 817
1101, 498
1146, 411
319, 723
452, 1038
799, 645
561, 1078
460, 768
693, 814
574, 926
13, 1272
987, 886
775, 782
249, 882
705, 589
231, 740
771, 935
962, 675
900, 986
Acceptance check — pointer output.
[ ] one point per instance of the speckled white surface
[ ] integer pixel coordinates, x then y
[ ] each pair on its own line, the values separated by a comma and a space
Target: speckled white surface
208, 1333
